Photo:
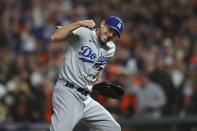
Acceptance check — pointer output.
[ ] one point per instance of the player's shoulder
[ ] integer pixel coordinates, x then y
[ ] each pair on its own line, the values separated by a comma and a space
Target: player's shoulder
83, 29
111, 45
111, 48
82, 32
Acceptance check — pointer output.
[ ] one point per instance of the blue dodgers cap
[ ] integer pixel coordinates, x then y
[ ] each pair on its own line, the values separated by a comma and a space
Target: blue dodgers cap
115, 23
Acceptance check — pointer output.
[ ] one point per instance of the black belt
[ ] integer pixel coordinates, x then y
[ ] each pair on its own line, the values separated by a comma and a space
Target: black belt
79, 89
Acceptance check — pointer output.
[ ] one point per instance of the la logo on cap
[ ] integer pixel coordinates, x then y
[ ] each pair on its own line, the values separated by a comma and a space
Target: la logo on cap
119, 25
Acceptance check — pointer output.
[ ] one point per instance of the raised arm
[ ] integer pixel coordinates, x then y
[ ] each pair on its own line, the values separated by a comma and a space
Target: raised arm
64, 31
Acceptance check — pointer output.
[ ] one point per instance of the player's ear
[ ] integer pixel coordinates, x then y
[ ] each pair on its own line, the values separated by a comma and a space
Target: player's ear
102, 23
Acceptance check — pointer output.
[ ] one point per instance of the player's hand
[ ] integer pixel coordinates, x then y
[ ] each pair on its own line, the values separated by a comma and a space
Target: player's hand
87, 23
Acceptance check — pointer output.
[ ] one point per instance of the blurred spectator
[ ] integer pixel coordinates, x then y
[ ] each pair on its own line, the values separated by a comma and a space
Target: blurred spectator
150, 97
20, 110
189, 103
38, 103
28, 39
161, 77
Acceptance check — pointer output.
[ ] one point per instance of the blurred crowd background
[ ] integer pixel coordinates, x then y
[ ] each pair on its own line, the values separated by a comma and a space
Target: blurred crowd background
155, 60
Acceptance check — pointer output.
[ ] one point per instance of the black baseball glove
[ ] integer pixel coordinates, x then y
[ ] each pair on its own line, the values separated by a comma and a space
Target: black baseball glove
108, 89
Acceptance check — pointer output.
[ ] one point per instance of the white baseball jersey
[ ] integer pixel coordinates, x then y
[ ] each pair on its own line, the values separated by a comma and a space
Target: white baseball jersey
84, 58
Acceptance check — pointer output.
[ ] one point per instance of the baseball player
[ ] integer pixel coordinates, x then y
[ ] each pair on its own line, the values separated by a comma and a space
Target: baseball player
87, 54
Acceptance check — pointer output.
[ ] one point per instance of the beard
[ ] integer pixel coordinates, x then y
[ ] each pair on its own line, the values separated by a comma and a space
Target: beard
99, 35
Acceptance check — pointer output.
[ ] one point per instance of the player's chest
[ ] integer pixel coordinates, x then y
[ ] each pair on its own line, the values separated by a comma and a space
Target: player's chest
91, 53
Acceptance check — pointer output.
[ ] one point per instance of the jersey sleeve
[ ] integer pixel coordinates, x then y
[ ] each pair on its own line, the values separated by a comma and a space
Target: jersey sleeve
81, 32
112, 49
78, 36
78, 31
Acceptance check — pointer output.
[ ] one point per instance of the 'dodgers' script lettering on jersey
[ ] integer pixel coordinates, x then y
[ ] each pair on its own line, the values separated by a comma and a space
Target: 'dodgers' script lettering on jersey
89, 56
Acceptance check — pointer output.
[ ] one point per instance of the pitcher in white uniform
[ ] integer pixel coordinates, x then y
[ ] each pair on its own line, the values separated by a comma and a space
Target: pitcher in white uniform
87, 54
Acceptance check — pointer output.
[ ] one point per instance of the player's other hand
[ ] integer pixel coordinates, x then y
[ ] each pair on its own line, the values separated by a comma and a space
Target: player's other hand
87, 23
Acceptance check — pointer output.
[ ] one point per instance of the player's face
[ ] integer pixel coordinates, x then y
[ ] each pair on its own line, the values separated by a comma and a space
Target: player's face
106, 33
